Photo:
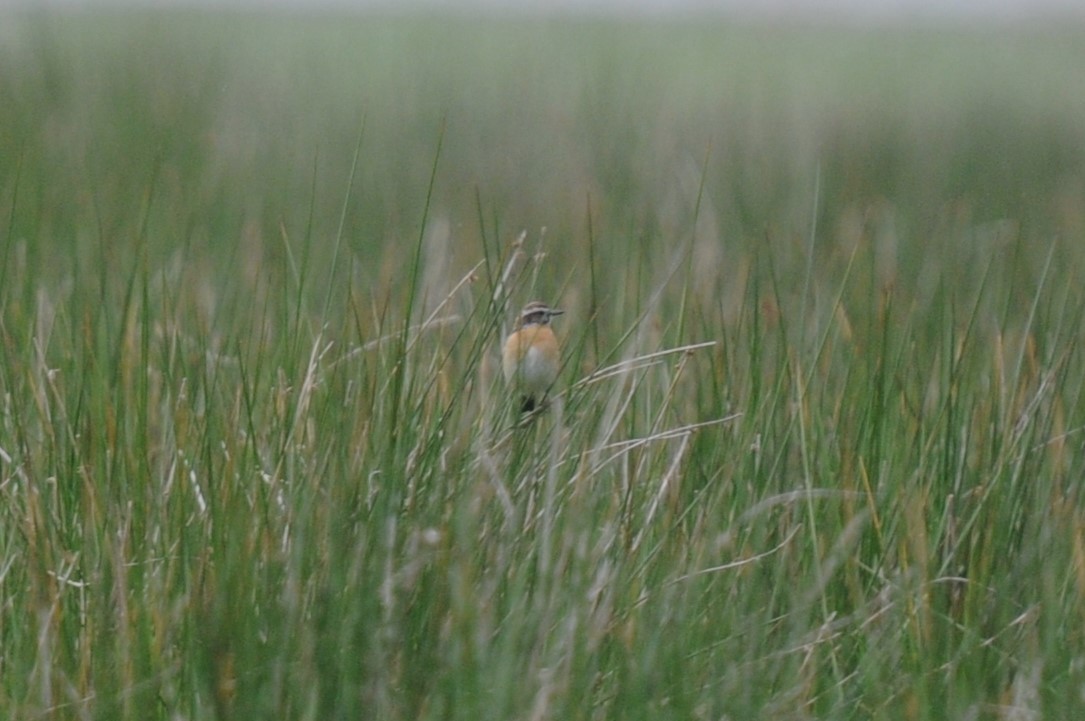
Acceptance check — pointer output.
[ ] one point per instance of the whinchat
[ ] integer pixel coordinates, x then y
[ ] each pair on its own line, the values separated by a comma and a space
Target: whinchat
531, 359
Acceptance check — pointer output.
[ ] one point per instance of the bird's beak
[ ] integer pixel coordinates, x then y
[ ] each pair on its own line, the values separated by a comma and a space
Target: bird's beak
556, 311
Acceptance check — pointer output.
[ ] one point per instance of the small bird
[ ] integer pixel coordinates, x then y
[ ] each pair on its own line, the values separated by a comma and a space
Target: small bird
531, 359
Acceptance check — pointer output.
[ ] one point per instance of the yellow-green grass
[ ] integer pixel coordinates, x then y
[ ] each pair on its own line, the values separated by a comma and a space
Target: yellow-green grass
816, 451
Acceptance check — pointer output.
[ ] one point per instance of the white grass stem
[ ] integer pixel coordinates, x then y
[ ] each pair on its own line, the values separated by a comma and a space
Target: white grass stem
628, 445
742, 562
638, 362
664, 485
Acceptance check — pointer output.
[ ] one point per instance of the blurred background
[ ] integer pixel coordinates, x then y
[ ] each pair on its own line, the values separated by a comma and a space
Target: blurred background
217, 130
975, 10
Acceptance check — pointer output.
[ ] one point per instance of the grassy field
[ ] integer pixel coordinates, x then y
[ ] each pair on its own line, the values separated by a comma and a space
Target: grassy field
816, 451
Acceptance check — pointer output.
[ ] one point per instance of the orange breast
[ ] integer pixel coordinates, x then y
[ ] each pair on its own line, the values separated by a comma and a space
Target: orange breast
530, 359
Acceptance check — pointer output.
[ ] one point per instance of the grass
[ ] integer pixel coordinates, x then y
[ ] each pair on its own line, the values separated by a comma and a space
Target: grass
815, 452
